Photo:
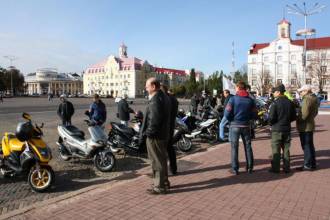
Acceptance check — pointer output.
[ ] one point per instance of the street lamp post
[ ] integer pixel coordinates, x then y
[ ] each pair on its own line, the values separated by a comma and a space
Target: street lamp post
11, 59
295, 9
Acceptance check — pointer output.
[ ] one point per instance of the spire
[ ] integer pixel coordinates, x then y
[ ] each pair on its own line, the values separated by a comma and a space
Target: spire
123, 50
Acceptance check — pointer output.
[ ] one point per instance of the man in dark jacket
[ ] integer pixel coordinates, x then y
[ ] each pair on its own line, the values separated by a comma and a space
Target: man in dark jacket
224, 121
240, 110
156, 128
282, 113
65, 110
97, 111
124, 110
174, 111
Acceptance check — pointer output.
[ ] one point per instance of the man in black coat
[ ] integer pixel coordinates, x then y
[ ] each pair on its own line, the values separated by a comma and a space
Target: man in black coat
194, 104
174, 111
124, 110
65, 110
156, 128
282, 112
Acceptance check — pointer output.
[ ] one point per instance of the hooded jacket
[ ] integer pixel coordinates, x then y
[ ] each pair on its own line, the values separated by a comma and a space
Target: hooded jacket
240, 109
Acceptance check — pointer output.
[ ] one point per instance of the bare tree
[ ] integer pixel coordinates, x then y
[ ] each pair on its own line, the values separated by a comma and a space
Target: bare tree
317, 68
263, 82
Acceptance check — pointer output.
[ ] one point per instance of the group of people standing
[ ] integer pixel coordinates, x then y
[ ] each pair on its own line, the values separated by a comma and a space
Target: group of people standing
240, 110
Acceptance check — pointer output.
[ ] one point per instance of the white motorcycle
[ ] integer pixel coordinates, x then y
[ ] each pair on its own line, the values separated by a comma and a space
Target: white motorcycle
72, 144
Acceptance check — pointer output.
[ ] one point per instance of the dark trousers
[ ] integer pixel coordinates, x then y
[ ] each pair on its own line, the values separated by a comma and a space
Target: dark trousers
66, 121
307, 144
235, 133
157, 154
171, 155
279, 140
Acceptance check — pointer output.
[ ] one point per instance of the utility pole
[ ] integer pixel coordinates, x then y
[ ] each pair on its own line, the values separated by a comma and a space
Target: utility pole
11, 59
295, 9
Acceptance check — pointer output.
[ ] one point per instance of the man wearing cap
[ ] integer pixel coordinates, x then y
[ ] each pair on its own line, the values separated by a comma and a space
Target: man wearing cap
282, 113
65, 110
306, 126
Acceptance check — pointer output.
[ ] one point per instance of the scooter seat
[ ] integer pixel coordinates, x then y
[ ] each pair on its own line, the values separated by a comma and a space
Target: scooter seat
124, 129
74, 131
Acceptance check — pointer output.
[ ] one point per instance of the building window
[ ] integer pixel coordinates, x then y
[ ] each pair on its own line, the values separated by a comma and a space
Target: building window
293, 81
323, 56
254, 82
323, 81
293, 69
254, 60
279, 58
323, 69
279, 69
128, 75
309, 81
279, 81
266, 69
293, 57
309, 56
266, 59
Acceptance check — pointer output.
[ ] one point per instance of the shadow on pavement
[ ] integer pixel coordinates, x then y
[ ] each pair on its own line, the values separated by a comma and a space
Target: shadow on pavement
260, 175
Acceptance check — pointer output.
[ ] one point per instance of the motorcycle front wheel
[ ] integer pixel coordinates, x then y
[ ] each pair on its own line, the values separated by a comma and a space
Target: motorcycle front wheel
41, 179
104, 161
184, 144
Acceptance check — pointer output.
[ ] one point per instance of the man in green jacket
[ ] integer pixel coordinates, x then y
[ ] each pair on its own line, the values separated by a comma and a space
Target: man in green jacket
306, 126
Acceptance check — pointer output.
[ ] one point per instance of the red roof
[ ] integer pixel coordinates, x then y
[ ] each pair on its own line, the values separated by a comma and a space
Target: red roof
312, 44
255, 47
166, 71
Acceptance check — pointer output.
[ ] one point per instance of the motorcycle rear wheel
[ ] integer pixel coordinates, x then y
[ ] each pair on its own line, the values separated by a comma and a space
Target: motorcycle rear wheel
104, 161
40, 180
184, 144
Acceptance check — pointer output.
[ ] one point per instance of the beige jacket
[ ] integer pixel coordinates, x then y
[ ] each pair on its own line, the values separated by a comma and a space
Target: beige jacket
309, 110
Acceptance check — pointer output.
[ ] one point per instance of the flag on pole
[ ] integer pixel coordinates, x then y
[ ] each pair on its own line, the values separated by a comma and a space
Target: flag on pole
227, 84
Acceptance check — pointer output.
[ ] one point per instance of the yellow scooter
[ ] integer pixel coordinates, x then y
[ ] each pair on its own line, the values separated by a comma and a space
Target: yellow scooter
25, 152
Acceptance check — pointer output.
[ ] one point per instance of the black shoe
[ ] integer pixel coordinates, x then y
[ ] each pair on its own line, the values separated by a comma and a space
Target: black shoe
250, 171
287, 170
234, 172
271, 170
174, 172
156, 191
304, 168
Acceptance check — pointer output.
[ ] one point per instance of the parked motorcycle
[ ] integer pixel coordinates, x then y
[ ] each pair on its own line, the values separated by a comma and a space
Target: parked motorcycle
72, 144
25, 152
127, 138
182, 142
205, 129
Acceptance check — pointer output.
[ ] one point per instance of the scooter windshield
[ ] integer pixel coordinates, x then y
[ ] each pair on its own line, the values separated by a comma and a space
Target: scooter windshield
97, 133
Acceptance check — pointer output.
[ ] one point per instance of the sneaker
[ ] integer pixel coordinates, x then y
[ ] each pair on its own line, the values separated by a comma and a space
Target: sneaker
304, 168
250, 171
234, 172
287, 170
156, 191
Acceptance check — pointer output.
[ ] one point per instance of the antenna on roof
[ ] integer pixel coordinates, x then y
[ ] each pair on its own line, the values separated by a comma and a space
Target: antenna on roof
283, 13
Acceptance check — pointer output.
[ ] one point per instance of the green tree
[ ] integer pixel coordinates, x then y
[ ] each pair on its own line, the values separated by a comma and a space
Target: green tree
191, 85
17, 79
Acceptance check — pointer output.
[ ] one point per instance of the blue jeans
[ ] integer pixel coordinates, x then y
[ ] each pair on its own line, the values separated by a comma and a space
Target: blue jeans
245, 133
307, 144
224, 121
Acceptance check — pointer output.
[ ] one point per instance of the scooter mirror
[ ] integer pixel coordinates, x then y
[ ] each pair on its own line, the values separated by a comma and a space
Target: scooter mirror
26, 116
42, 125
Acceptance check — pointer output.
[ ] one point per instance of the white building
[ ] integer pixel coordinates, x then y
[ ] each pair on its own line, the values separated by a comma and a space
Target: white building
116, 76
282, 61
48, 80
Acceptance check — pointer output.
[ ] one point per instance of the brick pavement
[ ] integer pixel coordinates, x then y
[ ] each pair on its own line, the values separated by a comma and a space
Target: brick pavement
205, 190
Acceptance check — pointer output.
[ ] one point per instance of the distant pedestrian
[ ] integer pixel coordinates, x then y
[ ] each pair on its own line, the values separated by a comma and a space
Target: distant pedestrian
124, 110
240, 110
1, 98
306, 126
224, 121
156, 128
174, 111
50, 97
194, 104
282, 113
65, 110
